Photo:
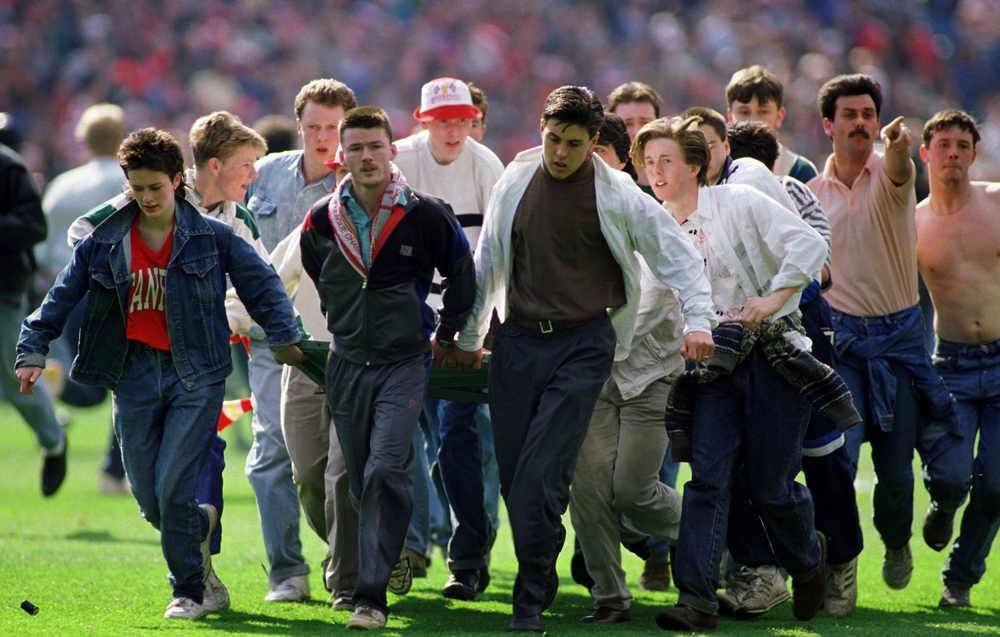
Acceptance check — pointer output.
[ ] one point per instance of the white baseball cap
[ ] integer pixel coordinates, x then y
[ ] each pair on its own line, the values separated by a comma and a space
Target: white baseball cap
445, 98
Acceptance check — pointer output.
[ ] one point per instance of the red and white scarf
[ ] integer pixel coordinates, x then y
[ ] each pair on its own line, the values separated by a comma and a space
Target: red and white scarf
389, 213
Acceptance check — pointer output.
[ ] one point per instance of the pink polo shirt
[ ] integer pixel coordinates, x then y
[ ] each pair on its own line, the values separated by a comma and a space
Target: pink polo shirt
874, 239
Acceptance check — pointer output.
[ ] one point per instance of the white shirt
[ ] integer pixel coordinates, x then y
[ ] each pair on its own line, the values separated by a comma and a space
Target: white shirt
631, 222
71, 195
466, 183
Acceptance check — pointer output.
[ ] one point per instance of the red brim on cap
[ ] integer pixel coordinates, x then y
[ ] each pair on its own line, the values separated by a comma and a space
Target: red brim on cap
455, 111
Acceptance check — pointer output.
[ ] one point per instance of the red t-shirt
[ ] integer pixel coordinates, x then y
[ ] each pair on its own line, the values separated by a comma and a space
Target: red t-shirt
146, 315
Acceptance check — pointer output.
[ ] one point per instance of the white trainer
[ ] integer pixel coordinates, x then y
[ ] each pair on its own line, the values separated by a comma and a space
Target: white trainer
366, 617
293, 589
184, 608
206, 543
216, 594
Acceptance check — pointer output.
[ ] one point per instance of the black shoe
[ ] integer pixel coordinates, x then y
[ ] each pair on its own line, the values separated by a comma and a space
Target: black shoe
685, 618
808, 596
54, 471
604, 615
462, 584
938, 528
531, 624
578, 568
639, 549
484, 579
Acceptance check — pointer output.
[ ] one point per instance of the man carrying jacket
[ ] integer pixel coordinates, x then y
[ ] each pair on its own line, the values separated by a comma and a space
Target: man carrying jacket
371, 248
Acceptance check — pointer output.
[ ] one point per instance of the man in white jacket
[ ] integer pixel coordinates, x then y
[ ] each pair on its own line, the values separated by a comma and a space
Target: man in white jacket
557, 253
759, 257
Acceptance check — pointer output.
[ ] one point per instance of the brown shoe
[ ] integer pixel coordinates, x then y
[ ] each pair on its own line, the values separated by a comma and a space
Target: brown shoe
418, 562
655, 576
685, 618
604, 615
808, 596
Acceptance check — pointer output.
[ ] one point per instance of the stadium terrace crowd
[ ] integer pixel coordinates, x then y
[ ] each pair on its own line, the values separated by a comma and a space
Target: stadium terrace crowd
654, 283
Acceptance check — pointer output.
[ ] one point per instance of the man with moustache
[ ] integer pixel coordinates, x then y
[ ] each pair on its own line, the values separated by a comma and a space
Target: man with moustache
869, 200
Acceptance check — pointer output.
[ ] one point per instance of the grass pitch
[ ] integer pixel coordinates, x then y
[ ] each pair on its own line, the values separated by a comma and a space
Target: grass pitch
94, 568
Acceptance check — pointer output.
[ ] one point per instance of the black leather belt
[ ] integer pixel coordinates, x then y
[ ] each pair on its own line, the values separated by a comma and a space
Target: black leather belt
546, 326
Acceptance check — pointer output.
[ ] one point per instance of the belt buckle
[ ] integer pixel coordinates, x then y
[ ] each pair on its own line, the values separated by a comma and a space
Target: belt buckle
541, 326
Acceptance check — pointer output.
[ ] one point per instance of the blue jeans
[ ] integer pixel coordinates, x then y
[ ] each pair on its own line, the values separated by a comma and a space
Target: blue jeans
418, 532
37, 409
166, 432
452, 434
753, 410
892, 451
491, 474
972, 374
269, 469
461, 469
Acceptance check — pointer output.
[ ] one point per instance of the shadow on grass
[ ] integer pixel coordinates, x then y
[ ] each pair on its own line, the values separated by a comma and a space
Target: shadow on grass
106, 536
80, 536
928, 620
256, 623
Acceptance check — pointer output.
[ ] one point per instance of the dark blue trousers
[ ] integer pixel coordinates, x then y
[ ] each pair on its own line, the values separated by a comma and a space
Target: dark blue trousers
543, 388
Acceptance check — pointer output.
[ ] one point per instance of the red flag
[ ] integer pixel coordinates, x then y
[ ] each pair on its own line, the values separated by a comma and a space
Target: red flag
232, 410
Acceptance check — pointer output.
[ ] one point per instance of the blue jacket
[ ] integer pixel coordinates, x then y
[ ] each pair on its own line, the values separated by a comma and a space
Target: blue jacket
905, 347
204, 252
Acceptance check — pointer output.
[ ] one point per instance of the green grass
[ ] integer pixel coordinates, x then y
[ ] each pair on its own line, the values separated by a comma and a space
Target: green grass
94, 567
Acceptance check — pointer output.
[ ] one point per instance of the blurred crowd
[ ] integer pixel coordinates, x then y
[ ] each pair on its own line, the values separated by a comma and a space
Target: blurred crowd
168, 63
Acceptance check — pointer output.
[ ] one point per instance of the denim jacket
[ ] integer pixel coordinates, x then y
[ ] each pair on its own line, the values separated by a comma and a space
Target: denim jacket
204, 251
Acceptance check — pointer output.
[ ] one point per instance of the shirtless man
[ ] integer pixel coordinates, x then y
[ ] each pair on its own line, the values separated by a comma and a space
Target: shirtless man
958, 230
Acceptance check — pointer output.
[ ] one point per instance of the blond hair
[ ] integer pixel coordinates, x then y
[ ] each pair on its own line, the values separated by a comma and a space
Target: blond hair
220, 135
102, 128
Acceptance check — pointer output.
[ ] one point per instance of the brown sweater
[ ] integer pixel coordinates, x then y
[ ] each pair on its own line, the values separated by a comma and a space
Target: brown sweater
563, 269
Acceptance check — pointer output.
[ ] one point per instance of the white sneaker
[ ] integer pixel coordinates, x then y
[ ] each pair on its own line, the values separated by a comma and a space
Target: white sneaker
765, 590
366, 617
216, 594
206, 544
293, 589
107, 484
184, 608
401, 578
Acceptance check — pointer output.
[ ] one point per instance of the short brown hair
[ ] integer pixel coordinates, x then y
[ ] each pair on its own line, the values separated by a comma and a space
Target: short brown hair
575, 105
635, 92
155, 150
365, 117
220, 135
683, 131
102, 127
845, 86
708, 117
478, 99
278, 132
325, 92
751, 82
943, 120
